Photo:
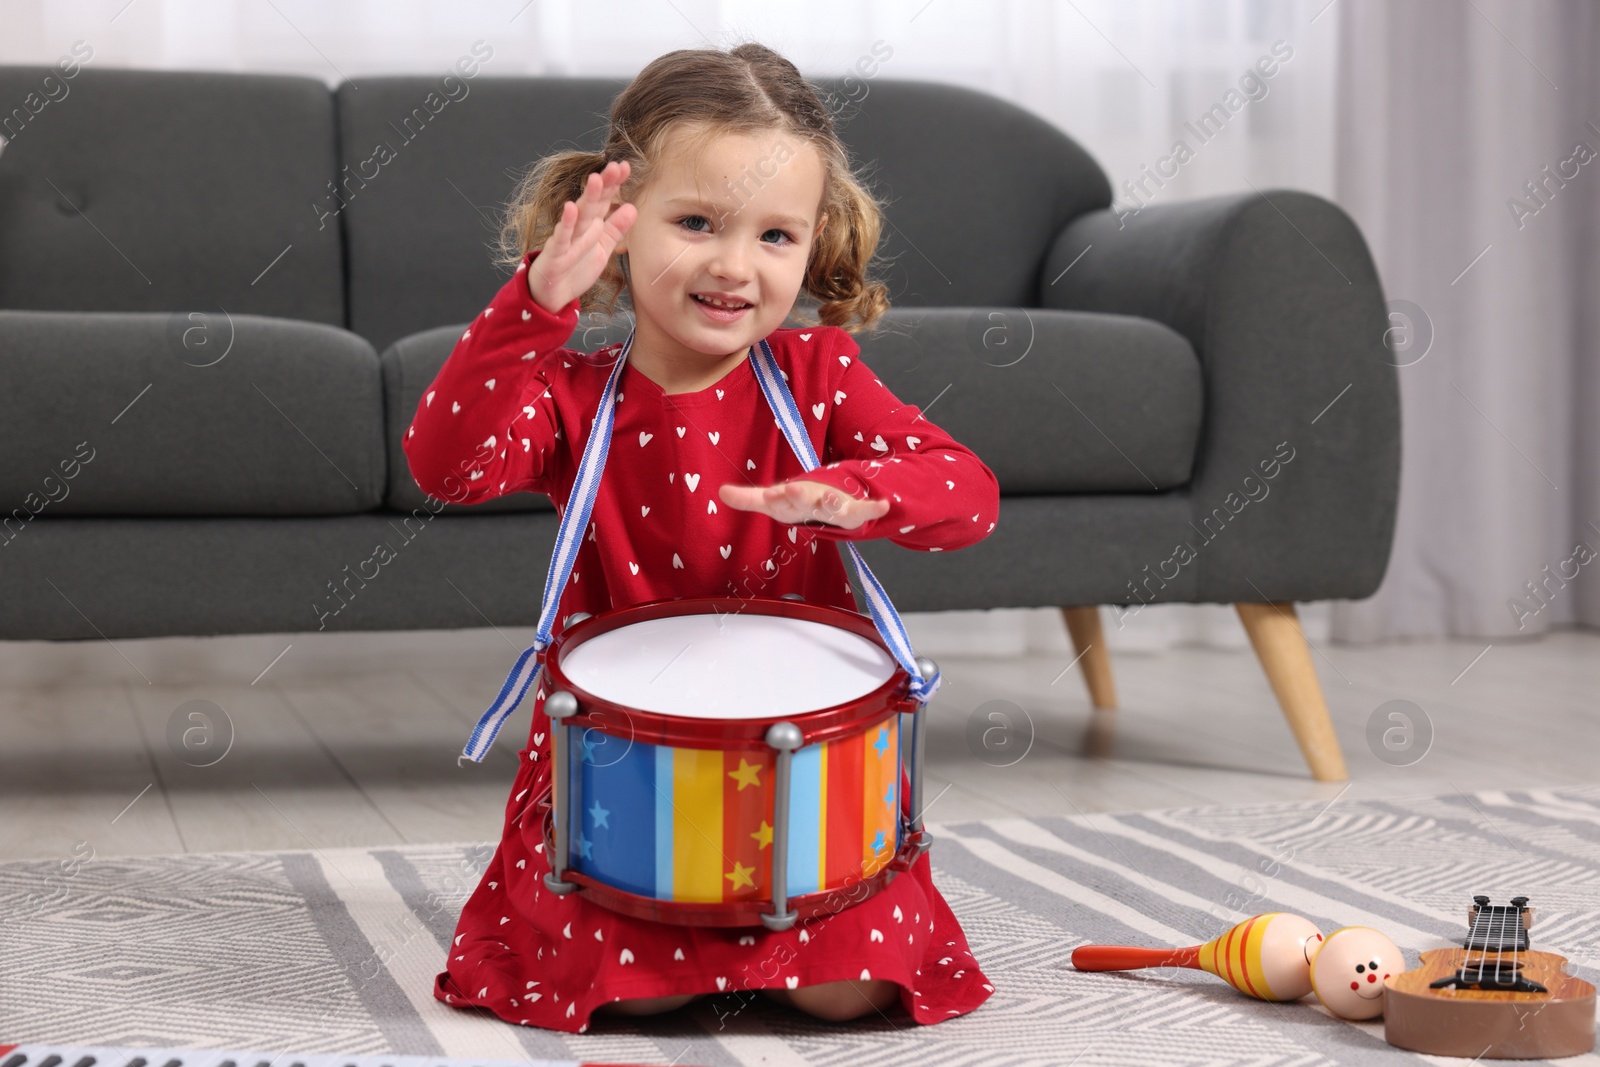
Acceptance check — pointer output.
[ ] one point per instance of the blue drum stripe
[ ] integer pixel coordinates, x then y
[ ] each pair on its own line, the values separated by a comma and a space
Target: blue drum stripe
618, 813
663, 810
805, 819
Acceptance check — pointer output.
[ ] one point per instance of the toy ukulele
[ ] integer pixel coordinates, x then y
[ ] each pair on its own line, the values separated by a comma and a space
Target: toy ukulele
1492, 998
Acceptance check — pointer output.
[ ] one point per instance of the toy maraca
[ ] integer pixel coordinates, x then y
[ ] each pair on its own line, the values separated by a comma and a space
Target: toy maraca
1267, 957
1347, 972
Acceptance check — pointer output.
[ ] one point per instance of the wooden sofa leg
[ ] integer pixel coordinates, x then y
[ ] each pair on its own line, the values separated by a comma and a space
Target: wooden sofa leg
1280, 645
1083, 624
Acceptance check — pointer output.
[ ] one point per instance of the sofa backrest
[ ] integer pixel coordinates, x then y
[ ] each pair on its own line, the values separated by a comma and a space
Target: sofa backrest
135, 190
976, 187
425, 190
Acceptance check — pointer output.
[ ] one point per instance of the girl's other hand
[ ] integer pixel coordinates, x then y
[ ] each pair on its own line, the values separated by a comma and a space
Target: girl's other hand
578, 250
802, 501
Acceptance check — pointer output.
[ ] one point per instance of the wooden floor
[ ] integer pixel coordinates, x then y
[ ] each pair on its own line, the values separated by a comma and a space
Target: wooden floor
351, 739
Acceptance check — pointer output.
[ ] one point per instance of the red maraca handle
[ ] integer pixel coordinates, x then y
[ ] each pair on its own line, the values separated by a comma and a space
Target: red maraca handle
1126, 958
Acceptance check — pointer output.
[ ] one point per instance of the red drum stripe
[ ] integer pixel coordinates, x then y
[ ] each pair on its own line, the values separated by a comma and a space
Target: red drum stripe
844, 810
746, 802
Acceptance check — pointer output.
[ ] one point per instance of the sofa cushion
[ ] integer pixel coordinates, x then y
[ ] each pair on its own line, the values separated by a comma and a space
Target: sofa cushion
111, 413
1052, 401
419, 231
137, 190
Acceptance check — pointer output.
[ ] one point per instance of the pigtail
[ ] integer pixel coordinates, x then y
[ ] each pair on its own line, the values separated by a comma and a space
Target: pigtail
837, 276
535, 210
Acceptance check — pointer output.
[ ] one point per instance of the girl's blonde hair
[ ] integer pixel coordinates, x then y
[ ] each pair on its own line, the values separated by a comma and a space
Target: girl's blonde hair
702, 93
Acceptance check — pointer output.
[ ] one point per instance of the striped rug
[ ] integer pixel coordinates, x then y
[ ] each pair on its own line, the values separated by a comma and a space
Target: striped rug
335, 950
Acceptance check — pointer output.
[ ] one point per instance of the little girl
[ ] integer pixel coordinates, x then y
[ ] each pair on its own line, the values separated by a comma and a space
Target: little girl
722, 191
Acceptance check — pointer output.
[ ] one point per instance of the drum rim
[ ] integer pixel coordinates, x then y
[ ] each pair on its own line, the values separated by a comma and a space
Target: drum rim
662, 728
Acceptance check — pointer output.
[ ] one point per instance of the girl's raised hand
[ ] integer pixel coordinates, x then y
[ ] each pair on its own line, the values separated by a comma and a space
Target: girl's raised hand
578, 250
802, 501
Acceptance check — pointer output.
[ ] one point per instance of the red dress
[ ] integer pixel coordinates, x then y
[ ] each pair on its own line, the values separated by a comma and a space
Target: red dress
510, 411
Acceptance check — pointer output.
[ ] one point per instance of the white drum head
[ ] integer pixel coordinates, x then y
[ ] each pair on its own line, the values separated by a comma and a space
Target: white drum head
738, 665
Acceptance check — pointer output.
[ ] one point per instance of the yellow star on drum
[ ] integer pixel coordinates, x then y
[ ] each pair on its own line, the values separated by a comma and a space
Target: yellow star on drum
740, 876
763, 836
746, 774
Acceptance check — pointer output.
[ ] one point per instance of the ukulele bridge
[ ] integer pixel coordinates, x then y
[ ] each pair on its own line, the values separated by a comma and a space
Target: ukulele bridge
1500, 976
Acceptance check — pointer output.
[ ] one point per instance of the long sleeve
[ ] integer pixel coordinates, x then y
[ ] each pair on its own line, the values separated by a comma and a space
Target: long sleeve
941, 495
487, 425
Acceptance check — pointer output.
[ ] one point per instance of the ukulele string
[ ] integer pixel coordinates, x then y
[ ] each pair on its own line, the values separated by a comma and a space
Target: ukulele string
1516, 940
1476, 936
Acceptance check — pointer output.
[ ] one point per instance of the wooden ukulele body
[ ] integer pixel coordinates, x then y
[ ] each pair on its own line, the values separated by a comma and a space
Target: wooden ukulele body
1490, 1023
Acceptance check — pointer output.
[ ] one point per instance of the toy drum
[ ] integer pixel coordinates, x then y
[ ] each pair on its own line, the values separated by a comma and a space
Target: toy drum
725, 762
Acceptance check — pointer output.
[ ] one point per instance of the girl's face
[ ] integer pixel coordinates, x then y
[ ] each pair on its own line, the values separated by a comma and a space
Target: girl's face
735, 225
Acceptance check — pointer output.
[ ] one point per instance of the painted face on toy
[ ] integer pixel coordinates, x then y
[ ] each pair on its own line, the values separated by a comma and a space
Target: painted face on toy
1349, 969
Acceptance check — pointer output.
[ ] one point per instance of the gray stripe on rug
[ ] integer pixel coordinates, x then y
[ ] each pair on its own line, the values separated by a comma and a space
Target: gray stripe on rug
441, 922
380, 994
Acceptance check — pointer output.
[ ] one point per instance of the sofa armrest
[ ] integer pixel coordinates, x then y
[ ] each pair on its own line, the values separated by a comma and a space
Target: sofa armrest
1279, 297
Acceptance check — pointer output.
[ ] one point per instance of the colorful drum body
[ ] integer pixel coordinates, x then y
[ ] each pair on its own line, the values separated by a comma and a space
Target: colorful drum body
708, 751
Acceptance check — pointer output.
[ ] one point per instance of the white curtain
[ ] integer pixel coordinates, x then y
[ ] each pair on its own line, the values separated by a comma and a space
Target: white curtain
1120, 76
1467, 151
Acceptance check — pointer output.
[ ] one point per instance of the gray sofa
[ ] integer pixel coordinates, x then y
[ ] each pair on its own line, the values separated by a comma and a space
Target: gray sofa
198, 273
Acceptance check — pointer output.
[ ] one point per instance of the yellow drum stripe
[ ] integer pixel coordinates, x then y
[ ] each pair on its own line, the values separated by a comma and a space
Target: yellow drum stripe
822, 815
697, 824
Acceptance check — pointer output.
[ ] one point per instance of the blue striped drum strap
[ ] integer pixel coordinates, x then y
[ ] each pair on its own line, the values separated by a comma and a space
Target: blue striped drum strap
575, 520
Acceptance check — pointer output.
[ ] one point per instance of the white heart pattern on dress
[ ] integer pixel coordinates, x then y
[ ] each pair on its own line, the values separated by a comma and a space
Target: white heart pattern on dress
792, 982
725, 550
949, 485
719, 394
489, 385
818, 409
880, 444
644, 509
715, 435
913, 442
632, 566
455, 407
692, 481
749, 464
805, 337
626, 956
430, 398
676, 562
680, 430
645, 438
526, 315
